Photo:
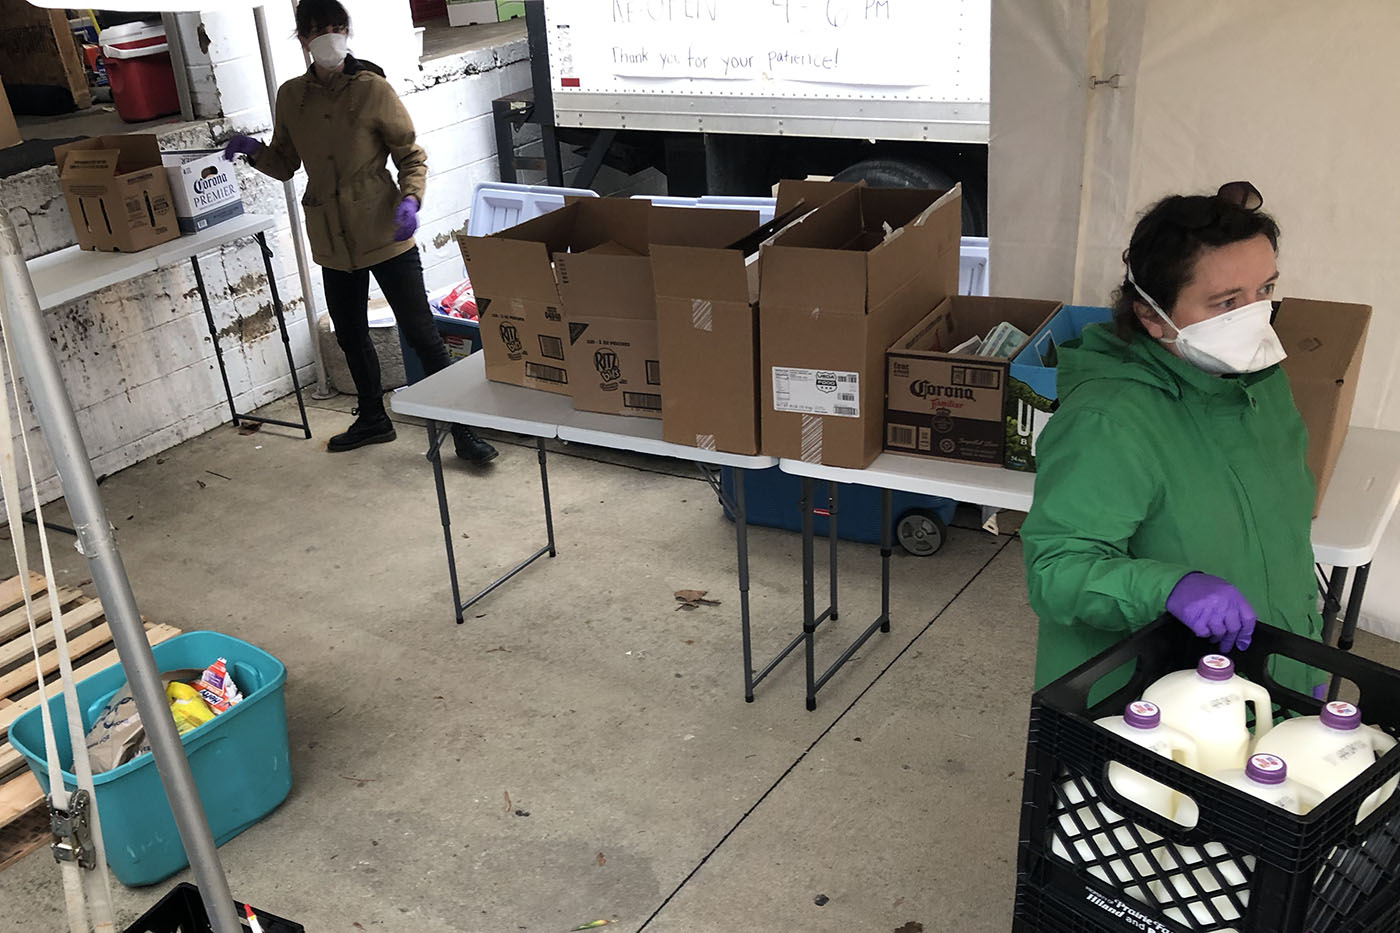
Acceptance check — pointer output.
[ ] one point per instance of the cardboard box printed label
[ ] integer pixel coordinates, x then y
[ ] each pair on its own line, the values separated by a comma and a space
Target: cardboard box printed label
204, 187
816, 392
951, 405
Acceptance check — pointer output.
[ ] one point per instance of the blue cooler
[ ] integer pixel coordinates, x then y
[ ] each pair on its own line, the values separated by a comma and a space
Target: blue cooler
772, 499
463, 338
239, 759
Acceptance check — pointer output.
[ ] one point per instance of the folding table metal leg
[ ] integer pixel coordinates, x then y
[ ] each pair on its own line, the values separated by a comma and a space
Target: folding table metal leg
213, 335
738, 507
437, 434
1332, 602
886, 549
1353, 614
809, 598
286, 342
833, 538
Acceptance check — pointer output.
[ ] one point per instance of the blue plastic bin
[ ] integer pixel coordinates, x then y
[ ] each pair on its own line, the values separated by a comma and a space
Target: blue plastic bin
772, 497
240, 760
463, 338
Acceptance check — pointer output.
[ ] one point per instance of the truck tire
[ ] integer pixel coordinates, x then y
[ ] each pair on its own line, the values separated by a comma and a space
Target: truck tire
910, 173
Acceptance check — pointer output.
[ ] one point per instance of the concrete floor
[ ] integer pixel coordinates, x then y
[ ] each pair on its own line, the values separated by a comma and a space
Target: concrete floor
579, 750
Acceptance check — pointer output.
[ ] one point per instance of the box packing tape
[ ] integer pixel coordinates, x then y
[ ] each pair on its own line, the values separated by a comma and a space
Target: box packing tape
705, 442
811, 439
702, 314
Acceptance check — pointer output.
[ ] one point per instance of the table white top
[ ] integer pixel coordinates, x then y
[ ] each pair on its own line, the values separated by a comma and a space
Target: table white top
461, 394
1361, 499
62, 276
643, 436
965, 482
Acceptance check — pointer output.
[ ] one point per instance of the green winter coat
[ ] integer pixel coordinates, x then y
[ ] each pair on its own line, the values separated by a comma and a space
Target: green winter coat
1149, 470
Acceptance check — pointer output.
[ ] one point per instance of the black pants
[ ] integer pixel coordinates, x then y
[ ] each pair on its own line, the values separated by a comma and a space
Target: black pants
347, 299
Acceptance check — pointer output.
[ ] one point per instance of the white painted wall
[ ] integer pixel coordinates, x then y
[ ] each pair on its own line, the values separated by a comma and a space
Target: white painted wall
1291, 94
137, 357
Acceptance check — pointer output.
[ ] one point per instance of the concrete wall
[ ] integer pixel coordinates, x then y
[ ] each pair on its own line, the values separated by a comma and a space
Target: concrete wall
137, 357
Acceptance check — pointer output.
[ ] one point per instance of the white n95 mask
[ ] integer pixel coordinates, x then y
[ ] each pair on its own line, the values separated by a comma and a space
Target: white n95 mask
1242, 340
328, 50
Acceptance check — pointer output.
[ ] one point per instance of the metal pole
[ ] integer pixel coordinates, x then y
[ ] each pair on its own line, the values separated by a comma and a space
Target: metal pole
49, 395
175, 42
308, 297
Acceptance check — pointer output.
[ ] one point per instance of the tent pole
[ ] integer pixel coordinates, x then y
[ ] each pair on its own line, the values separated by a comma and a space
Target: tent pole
96, 542
308, 296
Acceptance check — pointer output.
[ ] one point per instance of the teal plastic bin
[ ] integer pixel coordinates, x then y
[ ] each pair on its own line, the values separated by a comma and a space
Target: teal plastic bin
239, 759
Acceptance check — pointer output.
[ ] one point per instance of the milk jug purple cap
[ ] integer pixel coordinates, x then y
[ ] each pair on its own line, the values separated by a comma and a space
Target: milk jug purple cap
1266, 769
1216, 667
1340, 715
1140, 714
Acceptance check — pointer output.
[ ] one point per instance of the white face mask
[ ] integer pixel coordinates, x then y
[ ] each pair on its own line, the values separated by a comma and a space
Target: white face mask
328, 50
1242, 340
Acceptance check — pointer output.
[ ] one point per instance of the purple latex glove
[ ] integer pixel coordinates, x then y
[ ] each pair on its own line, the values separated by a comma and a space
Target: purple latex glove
241, 146
406, 218
1213, 608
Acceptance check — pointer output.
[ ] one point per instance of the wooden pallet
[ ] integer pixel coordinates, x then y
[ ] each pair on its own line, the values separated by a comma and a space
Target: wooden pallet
23, 823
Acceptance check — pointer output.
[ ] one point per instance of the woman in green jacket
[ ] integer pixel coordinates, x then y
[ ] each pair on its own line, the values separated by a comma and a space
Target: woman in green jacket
342, 122
1172, 476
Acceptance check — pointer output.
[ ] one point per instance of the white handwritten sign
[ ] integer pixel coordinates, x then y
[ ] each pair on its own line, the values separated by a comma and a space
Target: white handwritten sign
870, 43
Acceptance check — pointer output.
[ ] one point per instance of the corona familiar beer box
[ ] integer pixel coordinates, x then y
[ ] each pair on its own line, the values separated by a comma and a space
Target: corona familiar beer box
203, 187
945, 402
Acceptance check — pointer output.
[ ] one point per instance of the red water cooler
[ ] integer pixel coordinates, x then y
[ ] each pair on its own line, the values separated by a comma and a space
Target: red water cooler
139, 71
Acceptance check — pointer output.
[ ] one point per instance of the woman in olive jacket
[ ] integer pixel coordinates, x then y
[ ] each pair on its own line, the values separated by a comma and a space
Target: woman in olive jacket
342, 121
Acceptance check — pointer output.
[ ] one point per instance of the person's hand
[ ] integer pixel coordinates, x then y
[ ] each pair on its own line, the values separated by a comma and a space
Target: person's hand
1213, 608
406, 218
241, 146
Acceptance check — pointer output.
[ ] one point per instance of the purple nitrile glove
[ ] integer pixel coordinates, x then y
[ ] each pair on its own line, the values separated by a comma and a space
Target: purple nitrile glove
241, 146
1213, 608
406, 218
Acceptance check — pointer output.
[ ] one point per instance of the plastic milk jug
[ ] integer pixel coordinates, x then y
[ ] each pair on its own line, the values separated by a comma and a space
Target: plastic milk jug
1140, 724
1326, 752
1208, 704
1265, 777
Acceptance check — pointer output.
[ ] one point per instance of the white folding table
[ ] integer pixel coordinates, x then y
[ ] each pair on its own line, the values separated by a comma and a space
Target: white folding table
68, 274
1361, 499
461, 394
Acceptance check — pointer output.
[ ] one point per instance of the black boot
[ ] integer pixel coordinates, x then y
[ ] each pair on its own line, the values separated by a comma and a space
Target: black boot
370, 427
470, 447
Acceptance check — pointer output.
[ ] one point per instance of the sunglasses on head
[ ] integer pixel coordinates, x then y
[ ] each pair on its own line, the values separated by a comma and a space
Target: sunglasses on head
1193, 213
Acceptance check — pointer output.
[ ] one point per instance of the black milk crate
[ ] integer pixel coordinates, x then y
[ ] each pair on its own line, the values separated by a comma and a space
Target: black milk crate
182, 911
1266, 870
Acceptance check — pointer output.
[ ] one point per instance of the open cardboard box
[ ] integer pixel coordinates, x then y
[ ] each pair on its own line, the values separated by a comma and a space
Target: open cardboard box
614, 352
837, 290
523, 333
951, 405
707, 326
118, 192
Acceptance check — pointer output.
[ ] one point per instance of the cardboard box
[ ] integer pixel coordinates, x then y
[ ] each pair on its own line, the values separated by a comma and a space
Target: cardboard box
836, 291
9, 129
614, 353
951, 406
1031, 393
118, 192
471, 12
523, 334
204, 187
707, 327
1324, 341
